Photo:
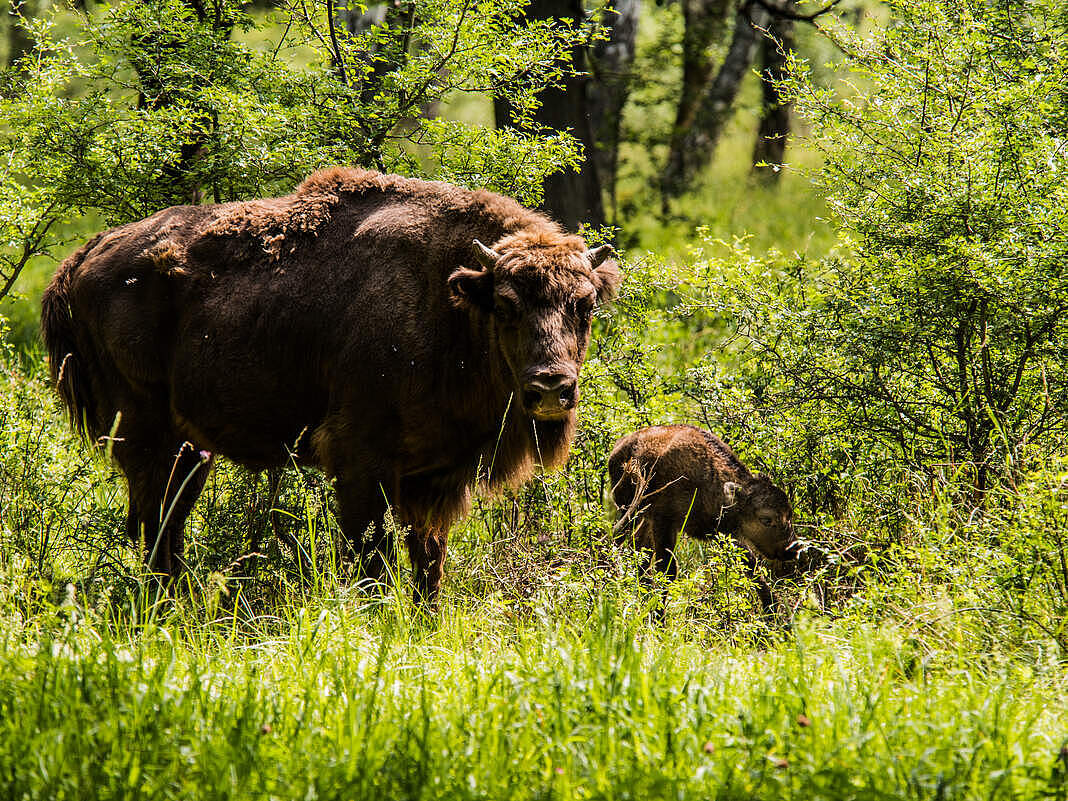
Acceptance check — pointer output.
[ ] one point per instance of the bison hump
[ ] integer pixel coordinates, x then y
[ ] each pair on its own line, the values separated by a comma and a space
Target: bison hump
268, 228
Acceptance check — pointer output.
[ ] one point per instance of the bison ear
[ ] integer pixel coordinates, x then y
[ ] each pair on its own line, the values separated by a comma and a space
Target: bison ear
598, 254
731, 490
606, 276
472, 288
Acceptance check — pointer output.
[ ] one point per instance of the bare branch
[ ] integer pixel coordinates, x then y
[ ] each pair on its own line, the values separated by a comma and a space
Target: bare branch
783, 10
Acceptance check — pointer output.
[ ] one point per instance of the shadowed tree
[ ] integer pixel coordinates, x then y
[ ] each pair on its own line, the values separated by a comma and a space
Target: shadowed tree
19, 41
571, 198
693, 144
705, 23
770, 146
156, 56
611, 62
760, 26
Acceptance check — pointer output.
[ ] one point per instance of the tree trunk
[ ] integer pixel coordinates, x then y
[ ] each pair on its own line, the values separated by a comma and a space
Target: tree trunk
698, 144
704, 24
180, 178
570, 198
390, 52
770, 146
19, 41
610, 63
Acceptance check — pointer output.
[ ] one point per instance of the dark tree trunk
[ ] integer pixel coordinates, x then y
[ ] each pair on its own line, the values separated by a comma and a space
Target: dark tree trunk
390, 52
610, 63
357, 21
181, 178
774, 129
19, 41
704, 24
570, 198
697, 145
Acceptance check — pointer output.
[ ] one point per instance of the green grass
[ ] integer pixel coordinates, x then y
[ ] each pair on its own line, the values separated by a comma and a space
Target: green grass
932, 669
346, 699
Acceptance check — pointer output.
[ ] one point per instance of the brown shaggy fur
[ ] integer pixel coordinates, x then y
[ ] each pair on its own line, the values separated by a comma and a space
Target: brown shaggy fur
668, 480
353, 323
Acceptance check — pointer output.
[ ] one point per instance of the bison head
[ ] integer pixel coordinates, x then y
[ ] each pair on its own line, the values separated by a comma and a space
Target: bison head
538, 292
765, 517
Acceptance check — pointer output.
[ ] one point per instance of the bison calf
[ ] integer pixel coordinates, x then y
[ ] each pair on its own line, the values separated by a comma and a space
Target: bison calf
672, 479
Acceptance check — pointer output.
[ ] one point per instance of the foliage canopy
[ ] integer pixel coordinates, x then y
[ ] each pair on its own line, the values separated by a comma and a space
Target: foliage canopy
148, 105
941, 338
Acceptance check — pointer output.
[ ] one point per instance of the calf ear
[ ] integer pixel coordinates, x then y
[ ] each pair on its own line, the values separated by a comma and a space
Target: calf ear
731, 489
471, 288
605, 273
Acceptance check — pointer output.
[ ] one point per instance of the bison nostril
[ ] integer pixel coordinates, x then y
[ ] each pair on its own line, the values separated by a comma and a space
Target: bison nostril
567, 395
549, 394
531, 397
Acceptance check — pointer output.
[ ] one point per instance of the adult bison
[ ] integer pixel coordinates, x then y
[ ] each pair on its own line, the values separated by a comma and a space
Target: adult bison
358, 325
668, 480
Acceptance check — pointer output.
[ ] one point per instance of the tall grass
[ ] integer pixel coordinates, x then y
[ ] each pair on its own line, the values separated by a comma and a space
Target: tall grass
349, 698
933, 666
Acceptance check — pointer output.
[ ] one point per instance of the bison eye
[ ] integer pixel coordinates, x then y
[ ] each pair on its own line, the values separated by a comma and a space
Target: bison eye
506, 308
766, 520
584, 309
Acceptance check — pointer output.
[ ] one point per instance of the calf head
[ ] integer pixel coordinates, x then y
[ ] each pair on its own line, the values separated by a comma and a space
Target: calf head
538, 291
765, 517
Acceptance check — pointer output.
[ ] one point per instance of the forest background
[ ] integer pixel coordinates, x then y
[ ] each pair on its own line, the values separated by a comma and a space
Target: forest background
843, 231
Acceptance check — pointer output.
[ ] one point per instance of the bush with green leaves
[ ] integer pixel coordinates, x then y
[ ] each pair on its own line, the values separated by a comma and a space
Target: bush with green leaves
151, 104
938, 339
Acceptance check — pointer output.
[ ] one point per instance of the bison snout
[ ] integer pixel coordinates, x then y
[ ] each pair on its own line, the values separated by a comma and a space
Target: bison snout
548, 395
790, 551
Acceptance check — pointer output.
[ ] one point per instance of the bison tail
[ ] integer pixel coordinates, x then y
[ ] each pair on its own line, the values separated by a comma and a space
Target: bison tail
67, 362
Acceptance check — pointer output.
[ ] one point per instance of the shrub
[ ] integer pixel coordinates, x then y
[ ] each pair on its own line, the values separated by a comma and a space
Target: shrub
939, 337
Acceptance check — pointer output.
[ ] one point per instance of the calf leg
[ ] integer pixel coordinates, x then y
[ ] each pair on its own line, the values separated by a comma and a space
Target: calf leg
665, 532
767, 599
658, 547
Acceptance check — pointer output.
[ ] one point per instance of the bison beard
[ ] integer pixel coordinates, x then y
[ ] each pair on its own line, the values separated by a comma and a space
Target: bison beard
359, 325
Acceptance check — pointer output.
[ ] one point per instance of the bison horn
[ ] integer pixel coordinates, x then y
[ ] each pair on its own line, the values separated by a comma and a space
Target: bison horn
730, 491
487, 257
599, 254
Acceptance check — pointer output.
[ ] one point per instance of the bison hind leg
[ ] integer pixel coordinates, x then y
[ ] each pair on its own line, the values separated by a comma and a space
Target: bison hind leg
164, 484
363, 509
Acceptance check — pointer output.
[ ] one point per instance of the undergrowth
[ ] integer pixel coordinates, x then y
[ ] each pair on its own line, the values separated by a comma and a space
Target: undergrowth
922, 657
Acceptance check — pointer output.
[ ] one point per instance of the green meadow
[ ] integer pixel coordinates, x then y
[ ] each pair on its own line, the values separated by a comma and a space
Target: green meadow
922, 655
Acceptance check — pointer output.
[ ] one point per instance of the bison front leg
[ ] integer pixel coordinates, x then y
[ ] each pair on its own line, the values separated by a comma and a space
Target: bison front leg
427, 548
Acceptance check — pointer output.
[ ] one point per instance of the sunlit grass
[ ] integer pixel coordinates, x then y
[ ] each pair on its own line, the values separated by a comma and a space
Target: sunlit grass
541, 676
349, 698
